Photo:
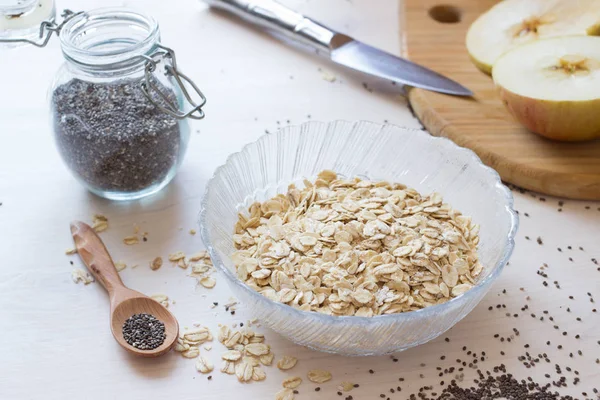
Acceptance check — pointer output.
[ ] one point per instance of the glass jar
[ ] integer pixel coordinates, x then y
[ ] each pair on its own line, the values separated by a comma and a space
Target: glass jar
115, 104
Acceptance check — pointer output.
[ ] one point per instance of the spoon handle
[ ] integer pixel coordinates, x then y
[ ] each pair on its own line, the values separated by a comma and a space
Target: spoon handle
95, 256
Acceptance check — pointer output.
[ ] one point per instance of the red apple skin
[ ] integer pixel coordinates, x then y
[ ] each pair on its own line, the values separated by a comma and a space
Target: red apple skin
570, 121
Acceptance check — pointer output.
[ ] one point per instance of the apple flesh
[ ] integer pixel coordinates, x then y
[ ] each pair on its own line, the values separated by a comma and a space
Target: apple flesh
511, 23
552, 86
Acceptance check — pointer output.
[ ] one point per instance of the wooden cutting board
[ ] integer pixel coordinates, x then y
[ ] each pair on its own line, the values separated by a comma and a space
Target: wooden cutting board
483, 124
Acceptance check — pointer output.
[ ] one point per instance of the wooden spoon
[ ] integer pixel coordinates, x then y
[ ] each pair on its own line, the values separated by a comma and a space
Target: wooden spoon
124, 302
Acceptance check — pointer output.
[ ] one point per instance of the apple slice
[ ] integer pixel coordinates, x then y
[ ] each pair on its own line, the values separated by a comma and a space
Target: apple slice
552, 86
513, 22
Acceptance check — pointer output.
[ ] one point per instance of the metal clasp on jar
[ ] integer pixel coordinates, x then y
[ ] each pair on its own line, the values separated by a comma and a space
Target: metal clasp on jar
167, 55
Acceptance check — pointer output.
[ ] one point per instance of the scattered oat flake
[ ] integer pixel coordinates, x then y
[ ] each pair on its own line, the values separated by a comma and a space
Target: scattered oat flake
174, 257
180, 346
197, 336
292, 382
100, 217
100, 226
120, 266
192, 352
163, 299
208, 282
156, 263
203, 365
346, 386
285, 394
258, 374
319, 376
258, 349
192, 231
182, 263
231, 355
70, 252
267, 359
326, 75
231, 305
287, 362
243, 371
99, 223
79, 275
202, 255
131, 240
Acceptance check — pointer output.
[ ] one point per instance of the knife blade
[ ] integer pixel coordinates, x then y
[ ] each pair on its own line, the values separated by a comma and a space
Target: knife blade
340, 48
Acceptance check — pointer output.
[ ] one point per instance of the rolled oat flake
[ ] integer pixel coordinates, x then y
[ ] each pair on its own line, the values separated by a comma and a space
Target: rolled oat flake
144, 331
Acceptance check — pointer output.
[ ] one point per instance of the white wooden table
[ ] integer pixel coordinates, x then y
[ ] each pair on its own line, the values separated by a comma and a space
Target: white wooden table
55, 341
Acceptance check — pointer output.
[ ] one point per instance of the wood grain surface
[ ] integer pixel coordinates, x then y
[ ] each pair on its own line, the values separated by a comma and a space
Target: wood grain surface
483, 124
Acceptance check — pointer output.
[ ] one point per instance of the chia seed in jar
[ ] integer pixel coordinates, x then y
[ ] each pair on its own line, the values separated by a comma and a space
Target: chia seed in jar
112, 137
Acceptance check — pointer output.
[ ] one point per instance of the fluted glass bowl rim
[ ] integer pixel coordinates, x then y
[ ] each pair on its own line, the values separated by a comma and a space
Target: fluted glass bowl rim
398, 317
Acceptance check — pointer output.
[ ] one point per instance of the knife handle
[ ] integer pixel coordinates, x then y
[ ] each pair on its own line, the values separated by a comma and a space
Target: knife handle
279, 19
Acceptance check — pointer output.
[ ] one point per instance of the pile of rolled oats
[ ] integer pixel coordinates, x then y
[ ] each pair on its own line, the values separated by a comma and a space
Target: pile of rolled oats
355, 247
246, 351
202, 269
189, 342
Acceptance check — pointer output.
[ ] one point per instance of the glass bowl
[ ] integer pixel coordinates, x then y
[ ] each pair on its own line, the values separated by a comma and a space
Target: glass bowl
377, 152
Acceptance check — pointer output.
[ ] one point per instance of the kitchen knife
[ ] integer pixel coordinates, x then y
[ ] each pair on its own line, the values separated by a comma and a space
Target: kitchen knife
340, 48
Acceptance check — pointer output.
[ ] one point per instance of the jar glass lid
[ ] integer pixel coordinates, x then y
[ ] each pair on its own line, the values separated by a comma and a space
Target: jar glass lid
16, 7
22, 18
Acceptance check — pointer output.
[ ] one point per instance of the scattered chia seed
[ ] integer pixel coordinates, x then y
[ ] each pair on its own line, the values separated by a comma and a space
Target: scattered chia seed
144, 331
111, 137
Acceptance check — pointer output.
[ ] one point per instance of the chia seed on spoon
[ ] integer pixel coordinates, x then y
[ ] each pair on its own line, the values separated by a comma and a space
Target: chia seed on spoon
144, 331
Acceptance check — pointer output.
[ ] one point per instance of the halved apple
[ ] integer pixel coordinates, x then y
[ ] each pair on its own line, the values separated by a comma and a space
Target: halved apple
552, 86
514, 22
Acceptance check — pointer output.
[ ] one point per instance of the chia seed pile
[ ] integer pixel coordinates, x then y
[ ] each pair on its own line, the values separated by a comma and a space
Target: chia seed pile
112, 137
144, 331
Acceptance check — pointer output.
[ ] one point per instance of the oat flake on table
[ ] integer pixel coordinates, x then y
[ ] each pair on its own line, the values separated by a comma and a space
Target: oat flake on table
292, 382
99, 223
79, 275
287, 362
156, 263
319, 376
355, 247
285, 394
246, 352
131, 240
